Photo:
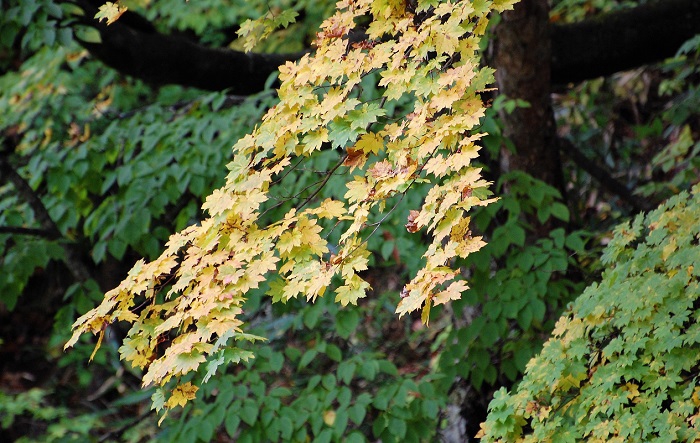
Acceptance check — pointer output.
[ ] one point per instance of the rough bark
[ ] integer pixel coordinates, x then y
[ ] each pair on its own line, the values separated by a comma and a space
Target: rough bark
589, 49
522, 54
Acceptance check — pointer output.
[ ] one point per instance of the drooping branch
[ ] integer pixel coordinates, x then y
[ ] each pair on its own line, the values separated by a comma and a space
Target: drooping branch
622, 40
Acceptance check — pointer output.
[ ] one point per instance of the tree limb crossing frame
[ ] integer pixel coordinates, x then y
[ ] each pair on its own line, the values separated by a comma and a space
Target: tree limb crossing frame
592, 48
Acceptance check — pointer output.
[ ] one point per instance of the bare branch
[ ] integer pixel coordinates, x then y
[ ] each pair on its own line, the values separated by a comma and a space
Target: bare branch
603, 177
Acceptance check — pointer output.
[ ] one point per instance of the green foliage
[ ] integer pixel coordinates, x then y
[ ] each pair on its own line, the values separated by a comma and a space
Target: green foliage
576, 10
678, 160
56, 424
642, 130
119, 166
315, 380
213, 20
622, 364
44, 17
122, 176
20, 262
41, 421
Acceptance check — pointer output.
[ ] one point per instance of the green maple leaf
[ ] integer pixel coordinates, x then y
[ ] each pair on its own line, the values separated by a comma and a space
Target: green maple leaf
254, 31
342, 131
187, 362
285, 18
158, 399
365, 116
351, 292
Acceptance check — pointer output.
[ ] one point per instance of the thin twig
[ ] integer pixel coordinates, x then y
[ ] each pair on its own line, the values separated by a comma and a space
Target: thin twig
323, 183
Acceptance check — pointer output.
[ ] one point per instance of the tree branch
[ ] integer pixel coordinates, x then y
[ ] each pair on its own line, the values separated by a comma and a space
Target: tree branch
592, 48
8, 174
132, 46
622, 40
18, 230
75, 264
603, 177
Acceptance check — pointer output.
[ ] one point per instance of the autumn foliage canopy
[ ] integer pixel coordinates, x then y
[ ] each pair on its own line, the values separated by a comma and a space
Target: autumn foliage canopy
421, 129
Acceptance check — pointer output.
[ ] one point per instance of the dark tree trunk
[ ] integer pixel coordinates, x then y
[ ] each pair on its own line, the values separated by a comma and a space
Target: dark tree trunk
522, 58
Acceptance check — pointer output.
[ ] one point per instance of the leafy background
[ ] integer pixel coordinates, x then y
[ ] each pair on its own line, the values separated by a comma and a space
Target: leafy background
120, 165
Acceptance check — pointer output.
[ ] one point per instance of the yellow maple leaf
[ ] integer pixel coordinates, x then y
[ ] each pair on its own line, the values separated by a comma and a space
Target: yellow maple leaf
329, 208
445, 99
696, 396
110, 12
311, 239
370, 143
669, 249
453, 292
358, 189
437, 166
182, 394
632, 390
314, 140
412, 300
438, 255
452, 221
560, 327
289, 240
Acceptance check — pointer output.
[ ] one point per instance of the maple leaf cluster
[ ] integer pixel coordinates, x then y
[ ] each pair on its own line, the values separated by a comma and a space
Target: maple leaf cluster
432, 63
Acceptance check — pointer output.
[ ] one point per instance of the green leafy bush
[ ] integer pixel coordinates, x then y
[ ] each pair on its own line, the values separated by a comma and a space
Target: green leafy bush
321, 377
112, 173
52, 424
623, 363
